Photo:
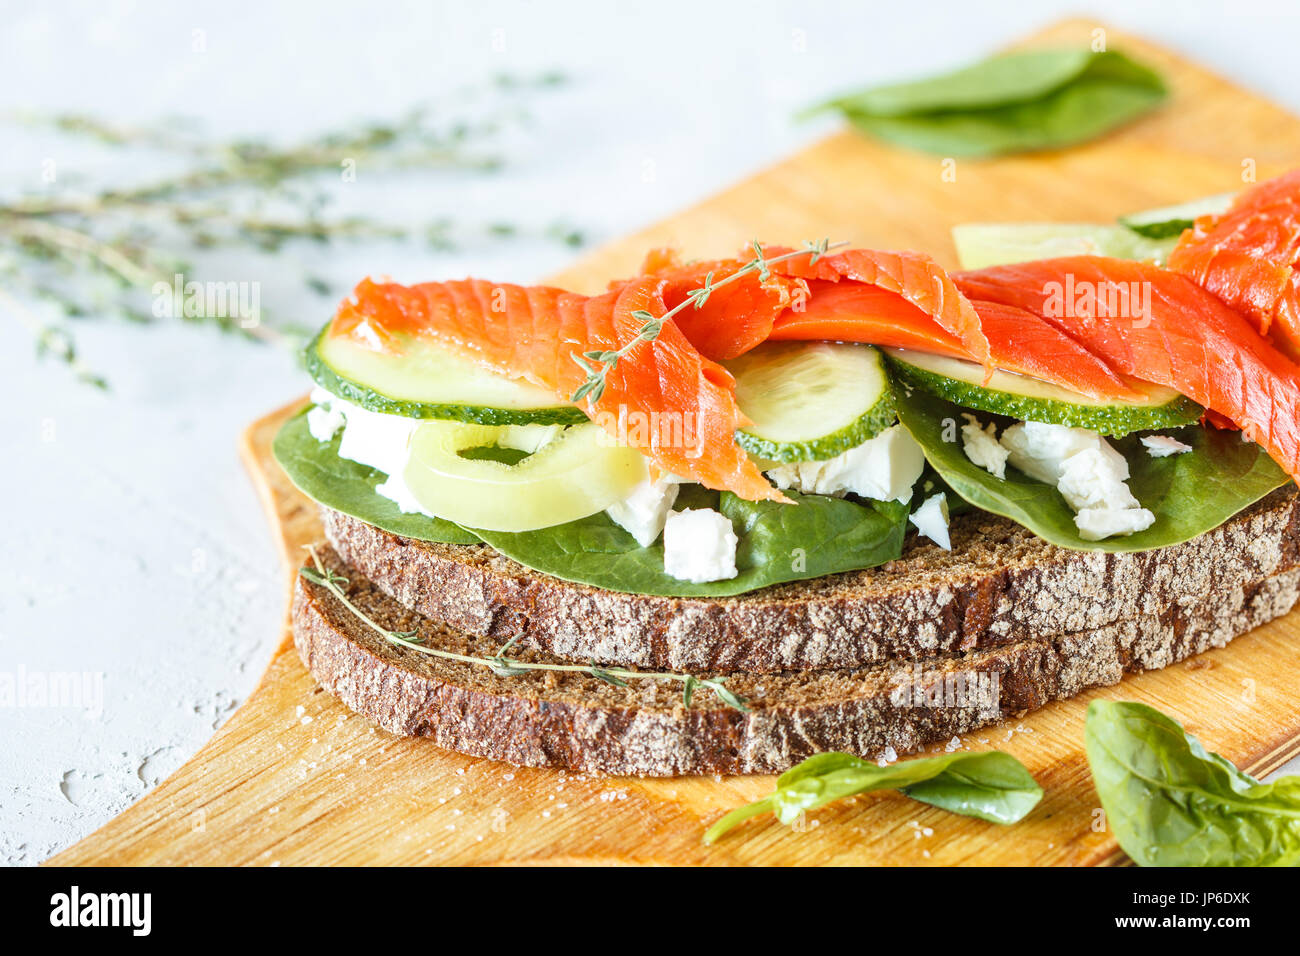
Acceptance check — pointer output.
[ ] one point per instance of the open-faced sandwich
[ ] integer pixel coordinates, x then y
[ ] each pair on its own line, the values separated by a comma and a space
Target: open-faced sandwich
730, 513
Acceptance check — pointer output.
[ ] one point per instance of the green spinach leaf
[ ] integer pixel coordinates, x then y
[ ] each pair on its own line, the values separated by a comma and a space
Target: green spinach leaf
1189, 493
814, 537
1171, 803
778, 543
1038, 99
317, 470
990, 785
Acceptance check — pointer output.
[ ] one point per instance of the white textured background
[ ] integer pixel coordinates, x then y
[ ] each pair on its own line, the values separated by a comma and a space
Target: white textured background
132, 543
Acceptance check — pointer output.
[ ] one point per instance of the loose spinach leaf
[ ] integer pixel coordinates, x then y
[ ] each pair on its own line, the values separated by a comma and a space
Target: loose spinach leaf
814, 537
317, 470
1039, 99
990, 785
1189, 494
1170, 803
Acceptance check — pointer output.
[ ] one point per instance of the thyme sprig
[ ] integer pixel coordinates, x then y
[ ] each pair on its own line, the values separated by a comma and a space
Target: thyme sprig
606, 360
74, 251
504, 666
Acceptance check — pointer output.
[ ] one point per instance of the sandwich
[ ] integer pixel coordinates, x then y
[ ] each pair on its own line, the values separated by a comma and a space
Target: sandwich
731, 513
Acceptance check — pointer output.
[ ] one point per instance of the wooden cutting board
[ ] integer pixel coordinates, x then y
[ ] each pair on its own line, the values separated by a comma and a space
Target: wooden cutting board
294, 777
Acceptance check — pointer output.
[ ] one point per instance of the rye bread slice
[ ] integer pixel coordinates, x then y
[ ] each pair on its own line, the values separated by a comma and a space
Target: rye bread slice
579, 722
999, 585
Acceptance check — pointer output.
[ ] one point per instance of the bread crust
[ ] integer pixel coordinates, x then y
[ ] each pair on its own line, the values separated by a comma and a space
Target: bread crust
999, 586
578, 722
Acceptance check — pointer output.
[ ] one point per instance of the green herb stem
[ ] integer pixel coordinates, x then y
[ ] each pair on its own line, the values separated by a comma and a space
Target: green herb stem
594, 386
505, 666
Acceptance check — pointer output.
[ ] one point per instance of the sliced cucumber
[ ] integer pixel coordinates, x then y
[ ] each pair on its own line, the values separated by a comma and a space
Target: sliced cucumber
810, 401
1020, 396
1168, 222
982, 244
578, 473
427, 382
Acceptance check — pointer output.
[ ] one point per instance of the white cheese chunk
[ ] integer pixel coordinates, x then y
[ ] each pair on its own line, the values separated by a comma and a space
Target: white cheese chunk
1088, 472
980, 443
699, 546
376, 440
1094, 524
1039, 449
931, 520
323, 421
1094, 478
643, 512
1162, 446
884, 468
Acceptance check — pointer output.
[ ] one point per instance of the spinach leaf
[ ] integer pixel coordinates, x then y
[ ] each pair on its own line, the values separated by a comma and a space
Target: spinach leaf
1038, 99
778, 543
990, 785
814, 537
317, 470
1189, 493
1170, 803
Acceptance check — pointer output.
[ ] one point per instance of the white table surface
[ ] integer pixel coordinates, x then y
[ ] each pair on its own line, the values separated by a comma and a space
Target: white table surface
134, 547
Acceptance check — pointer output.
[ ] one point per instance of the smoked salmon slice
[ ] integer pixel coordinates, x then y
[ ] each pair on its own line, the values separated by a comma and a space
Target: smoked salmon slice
1018, 340
733, 319
1181, 336
903, 294
1248, 255
535, 333
914, 276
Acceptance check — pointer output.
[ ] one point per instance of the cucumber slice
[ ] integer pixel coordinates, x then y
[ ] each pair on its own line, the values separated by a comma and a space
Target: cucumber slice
427, 382
579, 473
982, 244
1168, 222
810, 401
1020, 396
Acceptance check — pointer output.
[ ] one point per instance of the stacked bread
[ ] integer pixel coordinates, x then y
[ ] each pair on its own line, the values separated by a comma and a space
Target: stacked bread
875, 662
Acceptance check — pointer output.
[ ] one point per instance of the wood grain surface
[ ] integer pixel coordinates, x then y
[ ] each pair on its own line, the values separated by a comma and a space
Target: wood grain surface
295, 778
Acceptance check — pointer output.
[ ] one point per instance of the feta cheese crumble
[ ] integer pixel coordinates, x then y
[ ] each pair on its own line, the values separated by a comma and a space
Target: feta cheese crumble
884, 468
644, 512
1162, 446
931, 520
372, 439
980, 443
699, 546
325, 418
1088, 472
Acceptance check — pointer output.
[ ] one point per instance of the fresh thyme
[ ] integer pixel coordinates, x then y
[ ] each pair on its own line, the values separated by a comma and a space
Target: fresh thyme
73, 251
504, 666
606, 360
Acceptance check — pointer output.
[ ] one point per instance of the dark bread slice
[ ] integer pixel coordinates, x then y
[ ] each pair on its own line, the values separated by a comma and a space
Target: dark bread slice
999, 585
579, 722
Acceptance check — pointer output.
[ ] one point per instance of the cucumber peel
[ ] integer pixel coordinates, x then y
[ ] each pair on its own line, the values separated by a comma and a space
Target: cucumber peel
983, 244
429, 383
1168, 222
810, 401
1030, 399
